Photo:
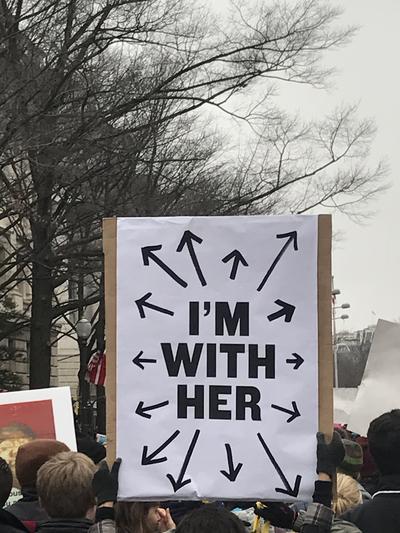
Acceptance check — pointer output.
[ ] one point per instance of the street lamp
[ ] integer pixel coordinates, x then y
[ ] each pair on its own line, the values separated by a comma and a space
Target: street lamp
83, 330
343, 306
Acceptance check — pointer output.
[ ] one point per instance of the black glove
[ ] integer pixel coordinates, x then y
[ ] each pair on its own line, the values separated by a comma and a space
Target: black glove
105, 483
329, 456
279, 514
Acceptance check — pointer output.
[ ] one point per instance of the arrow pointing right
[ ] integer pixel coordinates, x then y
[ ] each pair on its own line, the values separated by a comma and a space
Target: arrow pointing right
294, 413
288, 489
233, 471
151, 459
296, 362
291, 237
286, 311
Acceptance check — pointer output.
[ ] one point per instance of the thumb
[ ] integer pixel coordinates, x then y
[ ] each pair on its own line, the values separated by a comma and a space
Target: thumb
115, 467
320, 438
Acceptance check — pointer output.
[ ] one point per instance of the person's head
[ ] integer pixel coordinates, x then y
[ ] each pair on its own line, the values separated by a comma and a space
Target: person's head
348, 494
31, 456
210, 519
384, 442
64, 486
6, 481
12, 436
137, 517
353, 459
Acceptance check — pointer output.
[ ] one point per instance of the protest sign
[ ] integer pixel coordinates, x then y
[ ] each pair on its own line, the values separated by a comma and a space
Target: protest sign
219, 354
35, 414
379, 388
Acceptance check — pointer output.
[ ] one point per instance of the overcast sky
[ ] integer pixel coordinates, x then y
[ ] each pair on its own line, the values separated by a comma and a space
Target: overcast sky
366, 260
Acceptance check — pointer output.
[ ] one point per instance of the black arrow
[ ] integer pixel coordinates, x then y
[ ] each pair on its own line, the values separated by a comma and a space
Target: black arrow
180, 482
142, 411
147, 253
291, 237
138, 360
187, 239
237, 258
286, 311
297, 361
142, 303
294, 413
233, 472
288, 489
150, 459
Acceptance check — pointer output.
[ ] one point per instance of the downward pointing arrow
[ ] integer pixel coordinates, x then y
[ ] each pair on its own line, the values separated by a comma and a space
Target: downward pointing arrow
288, 489
147, 253
237, 258
286, 311
294, 413
180, 482
151, 459
233, 472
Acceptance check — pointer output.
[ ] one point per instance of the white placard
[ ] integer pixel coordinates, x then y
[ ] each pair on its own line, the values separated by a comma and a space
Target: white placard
379, 388
236, 299
61, 410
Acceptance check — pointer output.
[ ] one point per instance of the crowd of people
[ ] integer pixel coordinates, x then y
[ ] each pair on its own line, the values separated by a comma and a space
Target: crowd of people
357, 489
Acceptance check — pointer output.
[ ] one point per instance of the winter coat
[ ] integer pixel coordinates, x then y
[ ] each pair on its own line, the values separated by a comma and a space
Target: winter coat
382, 513
28, 508
10, 524
65, 525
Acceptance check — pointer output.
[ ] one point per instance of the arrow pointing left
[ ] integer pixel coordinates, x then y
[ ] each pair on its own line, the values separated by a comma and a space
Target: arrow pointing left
142, 303
148, 253
151, 458
142, 411
139, 360
289, 490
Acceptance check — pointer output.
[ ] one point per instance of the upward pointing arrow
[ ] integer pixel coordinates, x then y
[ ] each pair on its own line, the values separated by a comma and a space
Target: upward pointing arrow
291, 238
187, 240
237, 258
148, 253
288, 489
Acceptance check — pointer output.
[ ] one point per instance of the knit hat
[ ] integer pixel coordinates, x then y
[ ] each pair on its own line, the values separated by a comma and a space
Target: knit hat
32, 455
353, 460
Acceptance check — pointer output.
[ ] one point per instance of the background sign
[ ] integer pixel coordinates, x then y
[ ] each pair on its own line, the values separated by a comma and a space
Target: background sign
217, 356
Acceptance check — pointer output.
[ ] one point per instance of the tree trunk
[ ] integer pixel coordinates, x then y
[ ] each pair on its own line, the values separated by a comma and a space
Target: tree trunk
42, 283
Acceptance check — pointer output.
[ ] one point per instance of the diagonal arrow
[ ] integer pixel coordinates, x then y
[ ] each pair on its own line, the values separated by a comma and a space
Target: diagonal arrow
296, 362
147, 253
139, 360
180, 482
288, 489
187, 239
150, 459
237, 258
294, 412
142, 411
233, 471
291, 237
142, 303
286, 311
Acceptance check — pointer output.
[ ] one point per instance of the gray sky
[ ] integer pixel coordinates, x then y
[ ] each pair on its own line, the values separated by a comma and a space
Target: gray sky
366, 260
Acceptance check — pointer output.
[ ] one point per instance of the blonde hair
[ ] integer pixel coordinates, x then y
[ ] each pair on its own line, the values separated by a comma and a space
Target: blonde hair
348, 494
64, 485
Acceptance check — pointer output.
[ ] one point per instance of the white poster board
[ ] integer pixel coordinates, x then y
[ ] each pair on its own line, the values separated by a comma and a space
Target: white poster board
35, 414
217, 357
343, 401
379, 389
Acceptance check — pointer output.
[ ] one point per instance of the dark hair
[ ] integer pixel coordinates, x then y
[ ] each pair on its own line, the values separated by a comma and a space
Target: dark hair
131, 517
384, 442
210, 519
6, 481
